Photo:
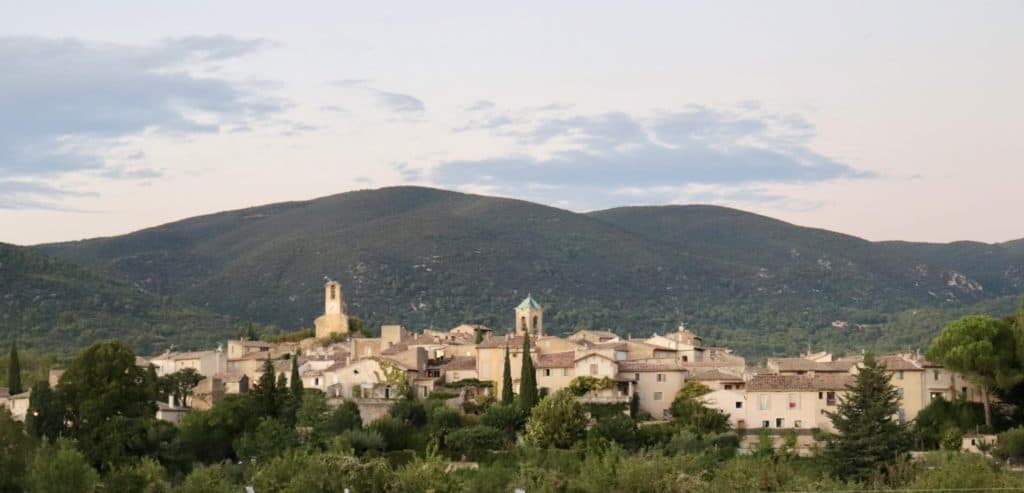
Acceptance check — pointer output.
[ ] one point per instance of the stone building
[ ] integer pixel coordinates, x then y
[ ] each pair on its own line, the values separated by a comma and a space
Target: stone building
334, 320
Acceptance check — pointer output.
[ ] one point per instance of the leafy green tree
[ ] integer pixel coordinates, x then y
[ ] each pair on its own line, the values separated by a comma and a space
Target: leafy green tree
984, 349
148, 476
363, 441
528, 378
107, 403
409, 412
296, 379
344, 417
867, 435
313, 411
59, 468
270, 439
180, 385
14, 371
508, 418
208, 479
506, 382
689, 410
45, 417
16, 448
209, 436
1010, 444
619, 428
557, 421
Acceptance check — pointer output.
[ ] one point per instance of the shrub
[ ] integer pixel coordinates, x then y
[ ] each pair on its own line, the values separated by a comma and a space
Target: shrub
952, 439
269, 439
145, 477
473, 441
616, 428
345, 417
509, 419
409, 412
363, 441
60, 468
396, 434
556, 421
208, 479
582, 385
1010, 445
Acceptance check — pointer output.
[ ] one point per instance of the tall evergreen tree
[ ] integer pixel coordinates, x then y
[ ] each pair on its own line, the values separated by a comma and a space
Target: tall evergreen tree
44, 417
265, 391
506, 381
868, 436
14, 371
296, 378
528, 379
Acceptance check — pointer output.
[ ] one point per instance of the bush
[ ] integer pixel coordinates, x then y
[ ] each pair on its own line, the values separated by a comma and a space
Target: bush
443, 419
145, 477
952, 439
345, 417
509, 419
556, 421
657, 434
1010, 445
443, 396
580, 386
363, 441
616, 428
60, 468
210, 479
473, 441
409, 412
396, 434
269, 439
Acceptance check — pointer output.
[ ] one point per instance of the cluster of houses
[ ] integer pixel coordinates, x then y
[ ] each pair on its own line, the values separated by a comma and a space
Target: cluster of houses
468, 360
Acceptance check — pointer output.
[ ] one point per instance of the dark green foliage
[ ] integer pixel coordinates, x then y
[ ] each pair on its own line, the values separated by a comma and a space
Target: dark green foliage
45, 418
53, 305
932, 422
506, 382
270, 439
1010, 445
443, 419
265, 394
528, 379
557, 421
509, 419
690, 412
363, 441
179, 384
472, 442
634, 405
60, 468
16, 448
344, 417
409, 412
14, 371
868, 436
145, 477
701, 252
107, 402
296, 379
617, 428
208, 436
396, 434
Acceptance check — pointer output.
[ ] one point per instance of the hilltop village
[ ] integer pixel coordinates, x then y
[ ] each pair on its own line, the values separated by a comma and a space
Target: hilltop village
467, 364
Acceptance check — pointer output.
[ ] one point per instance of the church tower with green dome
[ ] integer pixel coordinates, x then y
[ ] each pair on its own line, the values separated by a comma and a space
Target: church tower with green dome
529, 317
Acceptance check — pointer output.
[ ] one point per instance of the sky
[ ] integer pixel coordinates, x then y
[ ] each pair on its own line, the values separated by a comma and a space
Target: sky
885, 120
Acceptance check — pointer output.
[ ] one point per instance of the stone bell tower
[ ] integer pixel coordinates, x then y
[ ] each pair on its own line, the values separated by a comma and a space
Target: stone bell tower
529, 317
334, 320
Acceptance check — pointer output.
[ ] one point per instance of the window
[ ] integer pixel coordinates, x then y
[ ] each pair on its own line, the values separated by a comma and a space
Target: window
660, 377
935, 375
821, 395
686, 358
764, 401
830, 398
935, 395
728, 386
593, 368
547, 372
426, 390
565, 372
779, 422
316, 381
657, 396
766, 424
741, 424
963, 393
535, 323
636, 376
794, 401
739, 404
900, 374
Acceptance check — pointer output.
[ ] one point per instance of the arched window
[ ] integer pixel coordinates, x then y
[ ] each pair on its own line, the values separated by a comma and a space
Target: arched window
535, 320
522, 323
332, 292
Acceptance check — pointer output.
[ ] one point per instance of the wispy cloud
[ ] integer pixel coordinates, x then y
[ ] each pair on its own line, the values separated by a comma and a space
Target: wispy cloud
66, 102
592, 161
393, 101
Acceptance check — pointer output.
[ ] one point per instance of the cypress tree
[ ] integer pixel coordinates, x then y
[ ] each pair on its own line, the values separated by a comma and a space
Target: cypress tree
528, 379
14, 371
265, 391
296, 378
506, 381
867, 434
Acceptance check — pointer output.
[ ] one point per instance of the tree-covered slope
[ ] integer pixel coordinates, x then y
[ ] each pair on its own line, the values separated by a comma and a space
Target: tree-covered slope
52, 305
423, 256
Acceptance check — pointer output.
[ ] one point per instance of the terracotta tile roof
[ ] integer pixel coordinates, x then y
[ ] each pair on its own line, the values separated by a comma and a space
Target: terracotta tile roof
896, 362
396, 348
460, 363
714, 374
230, 377
651, 364
799, 382
502, 341
565, 359
801, 364
707, 364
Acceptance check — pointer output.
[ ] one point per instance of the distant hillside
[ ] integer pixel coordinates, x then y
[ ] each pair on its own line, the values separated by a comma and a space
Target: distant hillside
1016, 246
426, 257
51, 305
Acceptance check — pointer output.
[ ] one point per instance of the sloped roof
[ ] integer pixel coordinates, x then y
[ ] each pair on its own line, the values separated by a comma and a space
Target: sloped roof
713, 375
460, 363
230, 377
564, 359
799, 382
512, 342
651, 364
895, 362
529, 302
801, 364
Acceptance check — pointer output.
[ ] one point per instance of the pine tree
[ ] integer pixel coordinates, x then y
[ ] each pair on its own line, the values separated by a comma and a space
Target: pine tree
528, 379
265, 391
296, 379
14, 371
868, 434
506, 381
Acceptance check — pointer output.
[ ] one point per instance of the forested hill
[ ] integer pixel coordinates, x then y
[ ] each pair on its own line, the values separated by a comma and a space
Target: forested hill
54, 306
427, 257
